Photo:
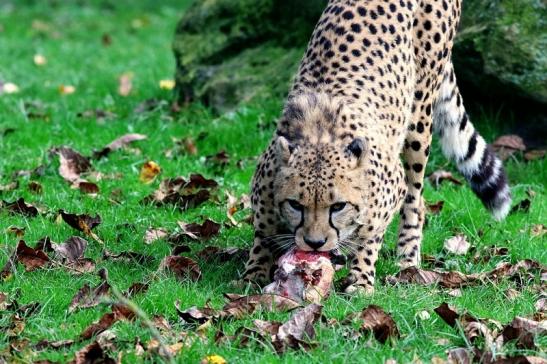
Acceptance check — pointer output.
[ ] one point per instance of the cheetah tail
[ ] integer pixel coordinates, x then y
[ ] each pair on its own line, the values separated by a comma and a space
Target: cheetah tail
463, 144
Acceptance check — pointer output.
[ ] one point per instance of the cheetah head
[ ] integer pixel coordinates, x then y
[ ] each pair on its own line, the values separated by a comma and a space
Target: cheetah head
319, 191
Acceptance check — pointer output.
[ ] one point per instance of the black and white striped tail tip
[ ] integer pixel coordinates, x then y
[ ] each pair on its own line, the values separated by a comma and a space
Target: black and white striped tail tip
489, 182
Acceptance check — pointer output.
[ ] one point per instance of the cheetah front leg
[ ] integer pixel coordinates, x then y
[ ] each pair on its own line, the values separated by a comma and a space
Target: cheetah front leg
259, 266
362, 272
415, 153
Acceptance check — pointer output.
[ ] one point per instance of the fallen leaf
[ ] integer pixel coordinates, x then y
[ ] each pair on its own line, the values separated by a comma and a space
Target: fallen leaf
19, 207
35, 187
459, 356
55, 345
98, 114
424, 277
17, 231
151, 235
9, 187
374, 319
118, 143
213, 359
487, 253
129, 256
512, 294
236, 204
84, 222
219, 160
435, 208
135, 289
523, 331
71, 250
437, 177
31, 258
106, 39
216, 254
91, 354
457, 245
167, 84
149, 105
8, 88
195, 315
507, 145
183, 146
39, 59
86, 187
532, 155
87, 297
125, 84
241, 306
66, 89
182, 267
72, 164
522, 206
203, 231
297, 330
538, 230
455, 279
149, 172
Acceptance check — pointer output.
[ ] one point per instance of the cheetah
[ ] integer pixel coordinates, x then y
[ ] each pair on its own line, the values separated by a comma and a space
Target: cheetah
353, 140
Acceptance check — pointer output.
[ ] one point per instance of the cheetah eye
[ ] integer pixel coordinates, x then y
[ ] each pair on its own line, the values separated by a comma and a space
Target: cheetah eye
295, 205
339, 206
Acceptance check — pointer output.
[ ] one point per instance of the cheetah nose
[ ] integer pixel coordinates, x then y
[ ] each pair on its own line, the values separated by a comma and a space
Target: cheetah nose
315, 244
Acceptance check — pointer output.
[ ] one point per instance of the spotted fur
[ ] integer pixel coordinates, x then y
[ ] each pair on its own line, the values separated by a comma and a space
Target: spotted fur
375, 77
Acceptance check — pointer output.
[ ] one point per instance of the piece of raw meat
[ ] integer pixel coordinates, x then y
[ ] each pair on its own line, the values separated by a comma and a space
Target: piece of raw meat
303, 276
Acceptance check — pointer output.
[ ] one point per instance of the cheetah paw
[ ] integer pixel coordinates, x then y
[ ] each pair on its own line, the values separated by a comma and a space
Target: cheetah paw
359, 290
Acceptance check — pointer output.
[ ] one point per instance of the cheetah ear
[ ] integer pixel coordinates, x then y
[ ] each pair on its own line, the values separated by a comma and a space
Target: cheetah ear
284, 149
356, 150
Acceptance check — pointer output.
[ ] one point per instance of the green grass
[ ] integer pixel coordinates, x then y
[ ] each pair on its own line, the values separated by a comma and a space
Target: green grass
141, 33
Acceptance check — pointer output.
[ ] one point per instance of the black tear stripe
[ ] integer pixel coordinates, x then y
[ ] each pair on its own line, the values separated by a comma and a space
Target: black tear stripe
334, 227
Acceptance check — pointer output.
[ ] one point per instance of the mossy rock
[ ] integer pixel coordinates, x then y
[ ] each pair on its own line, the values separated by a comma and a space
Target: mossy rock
504, 43
228, 51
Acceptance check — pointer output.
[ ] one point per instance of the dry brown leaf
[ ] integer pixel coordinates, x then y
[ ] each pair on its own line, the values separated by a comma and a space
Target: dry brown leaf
128, 256
119, 143
219, 160
222, 255
457, 245
135, 289
98, 114
435, 208
72, 164
195, 315
241, 306
235, 204
424, 277
523, 331
459, 356
182, 267
92, 354
125, 84
152, 234
296, 332
9, 187
87, 297
185, 146
55, 345
507, 145
203, 231
84, 222
437, 177
538, 230
31, 258
19, 207
522, 206
35, 187
71, 250
149, 172
17, 231
532, 155
374, 319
